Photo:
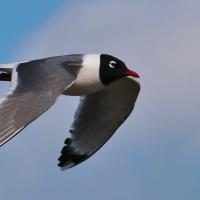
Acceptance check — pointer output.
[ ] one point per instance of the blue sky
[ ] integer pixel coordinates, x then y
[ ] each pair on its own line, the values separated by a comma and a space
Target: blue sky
155, 154
19, 18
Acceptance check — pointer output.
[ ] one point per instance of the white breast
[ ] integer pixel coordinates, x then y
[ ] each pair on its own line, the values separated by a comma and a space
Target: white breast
88, 80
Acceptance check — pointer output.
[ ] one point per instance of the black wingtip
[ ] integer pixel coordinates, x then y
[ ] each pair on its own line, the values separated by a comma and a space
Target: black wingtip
68, 157
5, 76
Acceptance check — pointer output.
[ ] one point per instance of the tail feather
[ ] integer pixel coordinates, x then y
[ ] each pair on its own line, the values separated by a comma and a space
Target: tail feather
7, 68
5, 76
6, 71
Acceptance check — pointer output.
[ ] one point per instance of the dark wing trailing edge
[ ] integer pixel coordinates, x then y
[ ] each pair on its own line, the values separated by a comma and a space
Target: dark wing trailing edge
97, 118
35, 86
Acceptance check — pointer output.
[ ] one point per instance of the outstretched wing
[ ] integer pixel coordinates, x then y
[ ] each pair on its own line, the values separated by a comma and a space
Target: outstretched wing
97, 118
35, 86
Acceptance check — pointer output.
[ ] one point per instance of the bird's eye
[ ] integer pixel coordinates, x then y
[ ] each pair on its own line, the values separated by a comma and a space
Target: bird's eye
112, 64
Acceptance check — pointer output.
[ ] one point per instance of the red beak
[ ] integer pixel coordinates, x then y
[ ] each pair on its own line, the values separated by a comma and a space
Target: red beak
132, 73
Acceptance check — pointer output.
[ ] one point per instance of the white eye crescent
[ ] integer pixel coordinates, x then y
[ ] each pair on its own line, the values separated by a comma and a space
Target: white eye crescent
112, 64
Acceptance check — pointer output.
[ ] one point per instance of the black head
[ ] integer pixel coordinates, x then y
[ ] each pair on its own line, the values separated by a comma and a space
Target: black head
112, 68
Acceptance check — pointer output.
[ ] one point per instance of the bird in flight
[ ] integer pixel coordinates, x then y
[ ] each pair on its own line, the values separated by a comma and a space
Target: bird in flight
108, 91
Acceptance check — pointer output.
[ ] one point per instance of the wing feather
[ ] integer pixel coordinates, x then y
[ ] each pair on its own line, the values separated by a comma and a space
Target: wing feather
97, 118
35, 86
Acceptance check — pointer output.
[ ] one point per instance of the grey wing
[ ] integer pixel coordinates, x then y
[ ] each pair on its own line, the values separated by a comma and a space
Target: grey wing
96, 119
35, 86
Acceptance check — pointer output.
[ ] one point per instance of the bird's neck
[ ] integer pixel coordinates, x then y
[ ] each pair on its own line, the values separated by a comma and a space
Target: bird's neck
88, 80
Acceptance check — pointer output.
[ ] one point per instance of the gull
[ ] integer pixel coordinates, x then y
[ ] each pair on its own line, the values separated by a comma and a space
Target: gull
107, 88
